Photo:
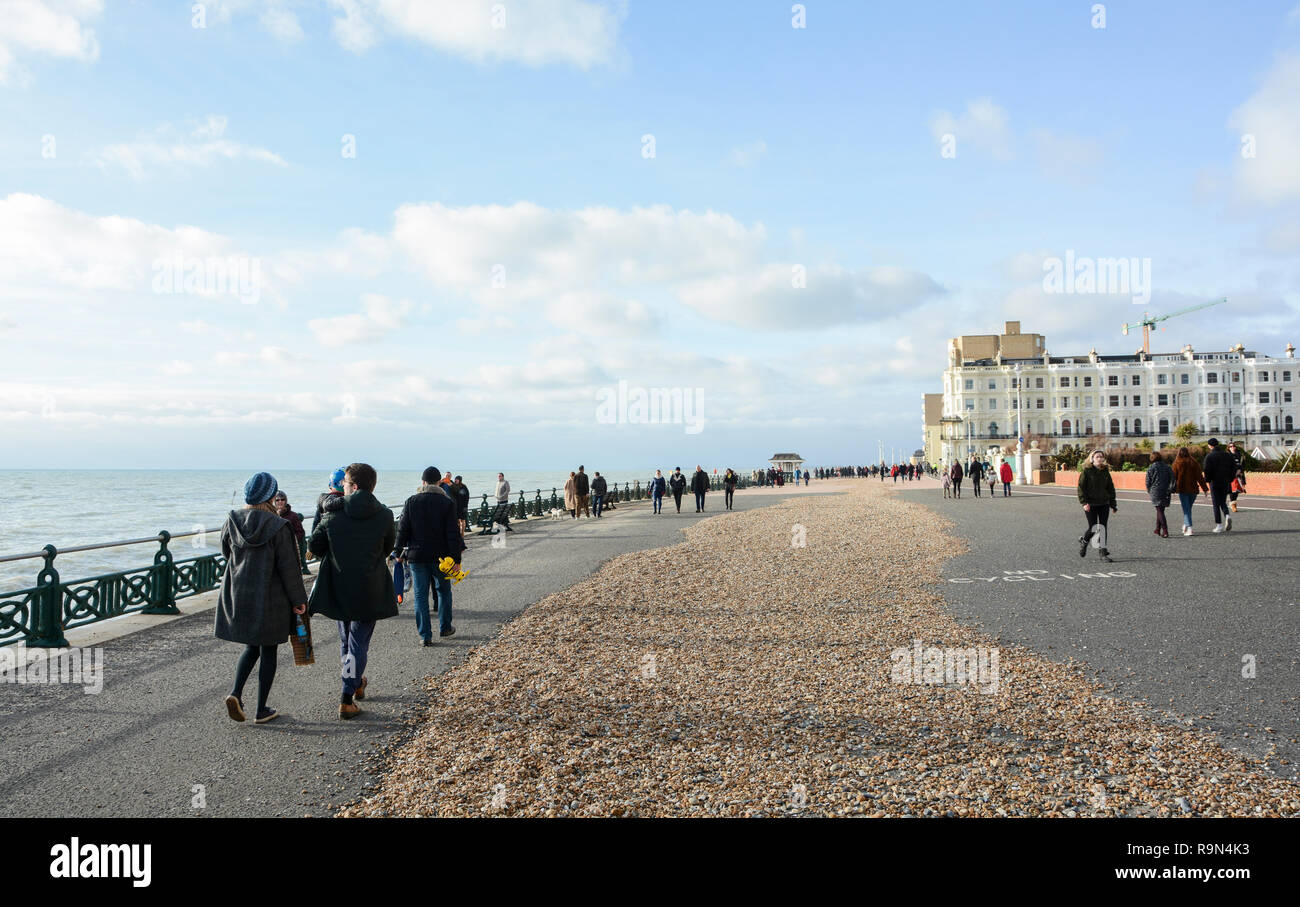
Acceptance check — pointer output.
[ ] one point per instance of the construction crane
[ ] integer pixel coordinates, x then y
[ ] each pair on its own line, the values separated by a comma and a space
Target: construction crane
1148, 323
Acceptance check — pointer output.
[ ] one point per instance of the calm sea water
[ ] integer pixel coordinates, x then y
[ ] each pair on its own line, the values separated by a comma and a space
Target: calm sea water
66, 508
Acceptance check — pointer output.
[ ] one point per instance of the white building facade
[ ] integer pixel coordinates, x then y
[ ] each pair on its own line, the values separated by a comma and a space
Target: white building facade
1238, 395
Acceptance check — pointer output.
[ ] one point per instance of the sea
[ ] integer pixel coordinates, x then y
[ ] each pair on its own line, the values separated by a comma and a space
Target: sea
68, 508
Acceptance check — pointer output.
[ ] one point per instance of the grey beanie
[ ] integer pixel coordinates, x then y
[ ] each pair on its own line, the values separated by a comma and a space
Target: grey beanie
260, 488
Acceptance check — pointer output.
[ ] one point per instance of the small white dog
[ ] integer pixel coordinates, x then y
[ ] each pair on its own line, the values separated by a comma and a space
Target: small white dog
557, 514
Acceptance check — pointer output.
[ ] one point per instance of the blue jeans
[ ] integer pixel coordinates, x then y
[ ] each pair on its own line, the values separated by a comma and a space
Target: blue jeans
658, 501
422, 575
1186, 499
699, 500
354, 651
596, 501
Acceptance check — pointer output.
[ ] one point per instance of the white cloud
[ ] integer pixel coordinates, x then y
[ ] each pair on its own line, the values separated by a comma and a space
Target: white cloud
747, 155
380, 317
176, 368
1272, 117
55, 28
982, 126
202, 145
600, 313
534, 32
282, 23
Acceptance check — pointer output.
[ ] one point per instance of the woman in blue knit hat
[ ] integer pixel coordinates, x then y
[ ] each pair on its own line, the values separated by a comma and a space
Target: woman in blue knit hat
261, 590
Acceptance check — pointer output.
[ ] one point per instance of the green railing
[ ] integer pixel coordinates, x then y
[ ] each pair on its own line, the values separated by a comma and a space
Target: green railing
38, 616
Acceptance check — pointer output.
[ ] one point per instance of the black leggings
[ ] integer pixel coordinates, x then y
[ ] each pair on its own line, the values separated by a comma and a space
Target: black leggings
731, 493
265, 675
1097, 515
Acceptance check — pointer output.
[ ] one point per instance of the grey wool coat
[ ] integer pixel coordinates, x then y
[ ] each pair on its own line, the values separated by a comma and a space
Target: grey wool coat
263, 579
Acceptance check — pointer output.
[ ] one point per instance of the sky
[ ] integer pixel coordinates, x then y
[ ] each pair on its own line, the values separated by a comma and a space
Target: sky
296, 233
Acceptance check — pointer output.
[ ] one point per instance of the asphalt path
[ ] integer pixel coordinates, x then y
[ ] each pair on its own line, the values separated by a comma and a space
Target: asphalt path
1180, 622
157, 742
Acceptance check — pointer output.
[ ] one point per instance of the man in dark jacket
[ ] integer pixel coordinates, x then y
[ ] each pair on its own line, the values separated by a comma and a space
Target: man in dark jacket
354, 585
1219, 469
700, 486
677, 485
460, 496
975, 471
426, 533
955, 474
582, 489
598, 490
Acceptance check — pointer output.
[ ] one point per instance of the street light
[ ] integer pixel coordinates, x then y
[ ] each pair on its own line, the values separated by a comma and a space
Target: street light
1020, 432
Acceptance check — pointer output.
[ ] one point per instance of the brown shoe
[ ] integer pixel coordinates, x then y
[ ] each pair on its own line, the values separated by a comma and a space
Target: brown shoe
1233, 505
361, 690
234, 708
348, 710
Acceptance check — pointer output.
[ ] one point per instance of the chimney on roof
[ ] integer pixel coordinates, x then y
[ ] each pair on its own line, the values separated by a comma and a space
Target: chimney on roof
1013, 327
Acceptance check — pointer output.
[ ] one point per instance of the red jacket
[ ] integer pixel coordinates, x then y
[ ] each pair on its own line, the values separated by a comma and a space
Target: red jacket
1006, 472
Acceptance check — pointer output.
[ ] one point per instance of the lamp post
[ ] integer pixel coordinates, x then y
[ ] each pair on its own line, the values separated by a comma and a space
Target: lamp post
1020, 432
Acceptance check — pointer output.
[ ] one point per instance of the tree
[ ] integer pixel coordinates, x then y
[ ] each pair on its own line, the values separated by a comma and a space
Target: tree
1185, 432
1146, 445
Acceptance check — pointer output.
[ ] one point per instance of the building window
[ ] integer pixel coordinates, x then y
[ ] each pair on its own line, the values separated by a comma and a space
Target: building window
1137, 380
1114, 399
1214, 423
1286, 396
1065, 403
1290, 426
1236, 398
1214, 399
993, 429
1236, 423
1087, 380
1038, 404
1087, 402
970, 384
1162, 399
1112, 380
1015, 383
993, 385
1212, 378
993, 404
1162, 379
1286, 376
970, 406
1263, 377
1087, 427
1236, 379
1265, 424
1263, 396
1065, 426
1164, 426
1137, 426
1038, 382
1114, 426
1183, 379
1065, 382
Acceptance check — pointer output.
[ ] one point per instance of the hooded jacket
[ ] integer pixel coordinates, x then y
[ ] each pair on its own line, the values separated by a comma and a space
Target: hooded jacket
262, 580
354, 582
677, 482
599, 485
1096, 487
1007, 474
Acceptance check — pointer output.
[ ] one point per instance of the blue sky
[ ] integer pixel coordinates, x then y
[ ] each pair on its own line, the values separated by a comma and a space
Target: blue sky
516, 153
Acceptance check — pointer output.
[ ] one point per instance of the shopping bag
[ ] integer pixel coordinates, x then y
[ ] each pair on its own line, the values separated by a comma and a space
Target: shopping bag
303, 653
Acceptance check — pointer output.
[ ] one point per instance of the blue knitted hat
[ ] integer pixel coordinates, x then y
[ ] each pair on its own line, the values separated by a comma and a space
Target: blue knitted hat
336, 479
260, 488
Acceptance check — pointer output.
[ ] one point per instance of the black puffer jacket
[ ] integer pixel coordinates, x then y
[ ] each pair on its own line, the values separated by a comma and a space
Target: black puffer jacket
598, 485
1219, 467
677, 482
1096, 487
329, 502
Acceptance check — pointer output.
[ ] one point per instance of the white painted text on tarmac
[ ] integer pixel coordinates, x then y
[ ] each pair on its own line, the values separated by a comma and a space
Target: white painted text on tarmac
1040, 576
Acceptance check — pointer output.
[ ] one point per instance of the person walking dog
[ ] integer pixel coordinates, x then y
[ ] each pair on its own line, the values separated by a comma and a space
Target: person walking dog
354, 585
1096, 493
261, 590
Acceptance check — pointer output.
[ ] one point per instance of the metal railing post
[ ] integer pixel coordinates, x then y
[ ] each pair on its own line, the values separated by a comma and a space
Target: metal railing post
164, 578
48, 630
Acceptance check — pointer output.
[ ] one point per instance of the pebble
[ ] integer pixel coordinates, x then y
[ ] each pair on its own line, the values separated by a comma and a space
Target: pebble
735, 675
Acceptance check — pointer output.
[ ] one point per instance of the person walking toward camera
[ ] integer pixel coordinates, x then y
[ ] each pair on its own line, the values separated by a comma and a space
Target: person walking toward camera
1160, 482
1096, 493
657, 486
729, 487
355, 586
700, 486
677, 485
1188, 480
261, 590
